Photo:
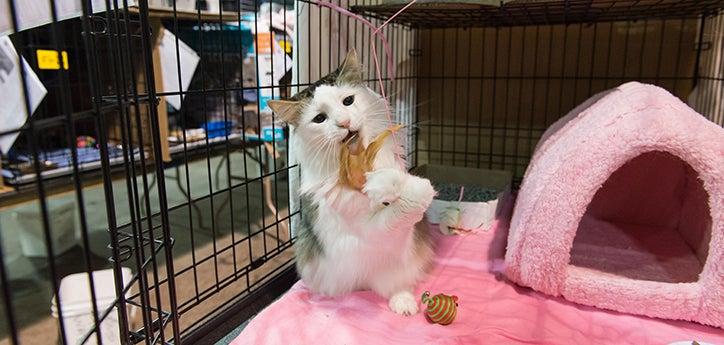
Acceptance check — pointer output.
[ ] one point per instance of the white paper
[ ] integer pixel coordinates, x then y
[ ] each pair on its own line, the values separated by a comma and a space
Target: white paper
265, 79
281, 60
13, 112
169, 66
265, 72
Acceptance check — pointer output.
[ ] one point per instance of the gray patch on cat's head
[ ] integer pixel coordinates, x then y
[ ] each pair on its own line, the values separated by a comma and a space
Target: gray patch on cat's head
348, 73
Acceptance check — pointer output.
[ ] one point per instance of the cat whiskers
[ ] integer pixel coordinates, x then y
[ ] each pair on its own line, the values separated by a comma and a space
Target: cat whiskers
317, 143
323, 152
327, 150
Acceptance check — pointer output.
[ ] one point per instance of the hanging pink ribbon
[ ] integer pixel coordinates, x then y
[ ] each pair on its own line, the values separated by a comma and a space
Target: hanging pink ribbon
376, 31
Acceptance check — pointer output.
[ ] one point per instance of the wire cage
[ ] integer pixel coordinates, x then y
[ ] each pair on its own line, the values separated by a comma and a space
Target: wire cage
152, 164
495, 77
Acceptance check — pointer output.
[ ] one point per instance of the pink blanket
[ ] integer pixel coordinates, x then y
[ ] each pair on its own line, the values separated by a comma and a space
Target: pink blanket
492, 311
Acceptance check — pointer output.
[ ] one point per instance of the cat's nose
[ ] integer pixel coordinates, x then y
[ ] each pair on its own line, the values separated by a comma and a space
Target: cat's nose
344, 124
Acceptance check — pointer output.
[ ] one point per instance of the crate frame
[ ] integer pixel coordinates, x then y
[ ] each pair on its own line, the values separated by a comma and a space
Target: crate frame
137, 103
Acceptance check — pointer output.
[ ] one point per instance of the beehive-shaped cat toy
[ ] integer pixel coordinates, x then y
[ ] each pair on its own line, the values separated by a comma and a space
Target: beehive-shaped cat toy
441, 309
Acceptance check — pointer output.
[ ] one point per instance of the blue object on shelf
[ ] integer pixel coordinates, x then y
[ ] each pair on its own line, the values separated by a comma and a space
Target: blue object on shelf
215, 129
263, 102
275, 133
268, 133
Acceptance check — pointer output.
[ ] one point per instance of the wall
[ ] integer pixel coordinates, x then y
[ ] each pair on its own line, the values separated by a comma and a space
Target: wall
709, 91
485, 96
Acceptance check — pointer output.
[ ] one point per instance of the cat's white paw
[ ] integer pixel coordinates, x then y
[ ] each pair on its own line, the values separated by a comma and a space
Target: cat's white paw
384, 186
420, 191
403, 303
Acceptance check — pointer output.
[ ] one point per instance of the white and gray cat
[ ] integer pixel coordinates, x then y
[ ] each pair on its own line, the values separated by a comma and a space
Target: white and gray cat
348, 239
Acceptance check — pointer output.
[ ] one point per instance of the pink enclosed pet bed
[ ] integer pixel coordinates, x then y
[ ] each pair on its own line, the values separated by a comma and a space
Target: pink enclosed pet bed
622, 208
491, 311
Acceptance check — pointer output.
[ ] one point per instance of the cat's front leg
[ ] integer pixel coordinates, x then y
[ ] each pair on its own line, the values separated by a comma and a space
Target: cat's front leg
395, 286
397, 198
403, 303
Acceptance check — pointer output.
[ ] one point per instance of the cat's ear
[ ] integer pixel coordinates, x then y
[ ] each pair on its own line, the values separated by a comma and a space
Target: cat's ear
288, 111
350, 72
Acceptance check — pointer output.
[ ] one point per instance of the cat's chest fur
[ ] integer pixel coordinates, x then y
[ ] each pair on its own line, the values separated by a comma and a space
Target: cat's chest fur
345, 230
349, 249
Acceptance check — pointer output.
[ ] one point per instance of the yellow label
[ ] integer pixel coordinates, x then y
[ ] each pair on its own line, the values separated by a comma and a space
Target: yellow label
48, 59
286, 45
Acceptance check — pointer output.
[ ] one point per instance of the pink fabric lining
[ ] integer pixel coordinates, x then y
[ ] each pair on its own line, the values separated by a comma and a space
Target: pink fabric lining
636, 225
492, 311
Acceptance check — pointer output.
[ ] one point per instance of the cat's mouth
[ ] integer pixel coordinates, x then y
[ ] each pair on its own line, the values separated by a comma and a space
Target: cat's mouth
353, 142
351, 136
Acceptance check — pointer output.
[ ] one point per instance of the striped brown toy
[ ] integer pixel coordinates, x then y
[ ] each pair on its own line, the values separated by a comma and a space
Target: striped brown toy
441, 308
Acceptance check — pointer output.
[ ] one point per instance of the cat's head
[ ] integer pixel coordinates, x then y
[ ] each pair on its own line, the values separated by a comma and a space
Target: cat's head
332, 110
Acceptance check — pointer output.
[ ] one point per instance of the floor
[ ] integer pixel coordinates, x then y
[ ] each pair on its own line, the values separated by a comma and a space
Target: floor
231, 336
199, 232
490, 309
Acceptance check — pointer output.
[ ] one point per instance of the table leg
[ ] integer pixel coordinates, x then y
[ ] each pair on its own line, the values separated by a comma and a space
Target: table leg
161, 110
270, 155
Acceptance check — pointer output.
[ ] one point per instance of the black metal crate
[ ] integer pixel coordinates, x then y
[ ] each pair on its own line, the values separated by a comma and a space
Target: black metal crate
205, 223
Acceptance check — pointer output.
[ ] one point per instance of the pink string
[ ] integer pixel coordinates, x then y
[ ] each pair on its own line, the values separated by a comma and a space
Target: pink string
462, 191
388, 53
395, 15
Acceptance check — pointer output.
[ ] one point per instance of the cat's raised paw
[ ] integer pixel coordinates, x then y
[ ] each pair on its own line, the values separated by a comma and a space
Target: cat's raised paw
403, 303
383, 186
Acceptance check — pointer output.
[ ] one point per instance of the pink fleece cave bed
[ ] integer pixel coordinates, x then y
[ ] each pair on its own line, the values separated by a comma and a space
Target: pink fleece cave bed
622, 208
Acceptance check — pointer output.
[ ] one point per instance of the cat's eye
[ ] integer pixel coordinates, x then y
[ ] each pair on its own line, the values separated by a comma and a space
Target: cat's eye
348, 100
321, 117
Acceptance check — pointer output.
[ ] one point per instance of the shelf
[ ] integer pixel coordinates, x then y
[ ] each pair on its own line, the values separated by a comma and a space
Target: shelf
67, 170
35, 13
206, 16
537, 12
